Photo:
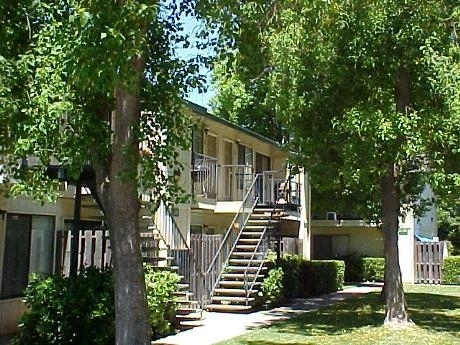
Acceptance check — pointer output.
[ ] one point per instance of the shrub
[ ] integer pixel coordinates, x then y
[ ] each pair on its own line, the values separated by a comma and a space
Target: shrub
373, 269
303, 278
161, 286
272, 287
69, 311
353, 268
451, 270
81, 310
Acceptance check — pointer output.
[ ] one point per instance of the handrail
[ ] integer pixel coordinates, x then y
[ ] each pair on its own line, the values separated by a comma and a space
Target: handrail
262, 238
170, 229
229, 240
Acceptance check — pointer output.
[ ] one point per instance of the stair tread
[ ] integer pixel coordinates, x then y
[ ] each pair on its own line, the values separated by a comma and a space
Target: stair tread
240, 275
236, 283
244, 268
233, 292
248, 253
228, 307
245, 261
229, 299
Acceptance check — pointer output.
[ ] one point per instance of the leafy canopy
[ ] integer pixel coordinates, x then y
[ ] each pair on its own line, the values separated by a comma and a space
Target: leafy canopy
59, 67
328, 71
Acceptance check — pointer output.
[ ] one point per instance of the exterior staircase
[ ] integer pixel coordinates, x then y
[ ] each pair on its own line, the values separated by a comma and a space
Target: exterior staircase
239, 283
156, 252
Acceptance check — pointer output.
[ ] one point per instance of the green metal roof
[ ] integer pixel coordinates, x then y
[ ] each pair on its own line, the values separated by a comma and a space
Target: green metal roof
202, 111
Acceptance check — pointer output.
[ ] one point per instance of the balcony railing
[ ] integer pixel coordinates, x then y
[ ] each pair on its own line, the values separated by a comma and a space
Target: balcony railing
232, 182
204, 175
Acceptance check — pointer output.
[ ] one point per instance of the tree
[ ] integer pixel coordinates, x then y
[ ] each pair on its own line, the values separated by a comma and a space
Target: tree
74, 77
368, 93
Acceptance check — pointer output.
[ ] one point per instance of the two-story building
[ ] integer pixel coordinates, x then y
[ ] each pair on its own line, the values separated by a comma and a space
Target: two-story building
230, 171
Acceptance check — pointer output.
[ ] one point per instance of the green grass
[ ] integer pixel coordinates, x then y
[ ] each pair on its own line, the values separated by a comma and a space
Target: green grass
358, 321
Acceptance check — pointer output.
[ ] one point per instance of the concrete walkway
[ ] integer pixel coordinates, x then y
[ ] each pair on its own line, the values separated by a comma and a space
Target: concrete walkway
218, 327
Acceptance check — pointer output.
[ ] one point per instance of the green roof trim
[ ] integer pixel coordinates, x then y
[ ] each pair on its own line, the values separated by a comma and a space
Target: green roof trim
204, 112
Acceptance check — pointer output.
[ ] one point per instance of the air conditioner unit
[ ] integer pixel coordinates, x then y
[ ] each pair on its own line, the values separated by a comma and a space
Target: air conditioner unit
331, 216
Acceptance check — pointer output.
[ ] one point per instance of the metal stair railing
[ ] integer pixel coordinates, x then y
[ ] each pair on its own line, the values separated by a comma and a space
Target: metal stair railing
262, 246
220, 259
176, 242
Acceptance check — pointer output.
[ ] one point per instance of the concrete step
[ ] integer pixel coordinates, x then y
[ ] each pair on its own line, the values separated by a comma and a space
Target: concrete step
237, 283
247, 254
241, 269
245, 247
240, 276
252, 233
232, 299
184, 294
232, 292
230, 308
237, 262
249, 240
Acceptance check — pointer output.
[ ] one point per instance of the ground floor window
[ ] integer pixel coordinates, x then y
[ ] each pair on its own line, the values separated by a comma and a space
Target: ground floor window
330, 246
29, 243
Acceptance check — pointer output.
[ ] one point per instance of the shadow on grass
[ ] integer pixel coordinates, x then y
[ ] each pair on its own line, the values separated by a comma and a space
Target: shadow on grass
438, 313
435, 312
343, 315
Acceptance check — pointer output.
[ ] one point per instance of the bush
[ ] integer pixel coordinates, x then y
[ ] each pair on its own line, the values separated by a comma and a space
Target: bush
451, 270
321, 276
272, 287
81, 310
373, 269
161, 286
302, 278
353, 268
69, 311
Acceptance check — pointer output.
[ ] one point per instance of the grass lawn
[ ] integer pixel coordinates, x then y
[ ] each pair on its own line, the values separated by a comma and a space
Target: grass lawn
357, 321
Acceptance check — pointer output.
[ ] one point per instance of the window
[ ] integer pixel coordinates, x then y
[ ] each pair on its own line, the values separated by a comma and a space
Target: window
29, 243
330, 246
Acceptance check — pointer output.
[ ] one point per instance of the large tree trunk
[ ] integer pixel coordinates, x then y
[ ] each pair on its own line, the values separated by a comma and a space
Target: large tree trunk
131, 314
395, 302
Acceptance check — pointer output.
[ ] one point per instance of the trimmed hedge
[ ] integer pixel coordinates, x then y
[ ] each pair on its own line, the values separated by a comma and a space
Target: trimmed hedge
373, 269
451, 270
302, 278
361, 268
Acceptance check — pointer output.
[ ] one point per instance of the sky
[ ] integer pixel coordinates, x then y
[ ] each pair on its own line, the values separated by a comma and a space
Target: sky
203, 99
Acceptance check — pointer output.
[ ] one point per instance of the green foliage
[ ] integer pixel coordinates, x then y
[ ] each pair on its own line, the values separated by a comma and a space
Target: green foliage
81, 311
435, 310
449, 228
362, 268
160, 288
353, 268
58, 74
303, 278
373, 269
272, 287
328, 70
451, 270
67, 311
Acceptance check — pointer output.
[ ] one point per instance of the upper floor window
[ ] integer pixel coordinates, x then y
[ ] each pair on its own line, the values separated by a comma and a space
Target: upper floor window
245, 155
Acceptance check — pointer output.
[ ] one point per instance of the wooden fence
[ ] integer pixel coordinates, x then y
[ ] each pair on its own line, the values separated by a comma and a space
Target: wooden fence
203, 249
429, 258
291, 245
93, 250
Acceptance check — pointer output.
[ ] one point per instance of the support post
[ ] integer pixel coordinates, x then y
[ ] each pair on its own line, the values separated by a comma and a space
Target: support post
75, 231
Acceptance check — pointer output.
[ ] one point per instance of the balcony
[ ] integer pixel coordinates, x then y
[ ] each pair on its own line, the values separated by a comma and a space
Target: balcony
231, 183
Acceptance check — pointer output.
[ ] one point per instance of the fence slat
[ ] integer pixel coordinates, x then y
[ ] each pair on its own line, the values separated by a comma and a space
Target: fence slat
428, 262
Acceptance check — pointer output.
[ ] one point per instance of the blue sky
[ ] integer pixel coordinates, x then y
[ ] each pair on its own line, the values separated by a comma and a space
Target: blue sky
192, 25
